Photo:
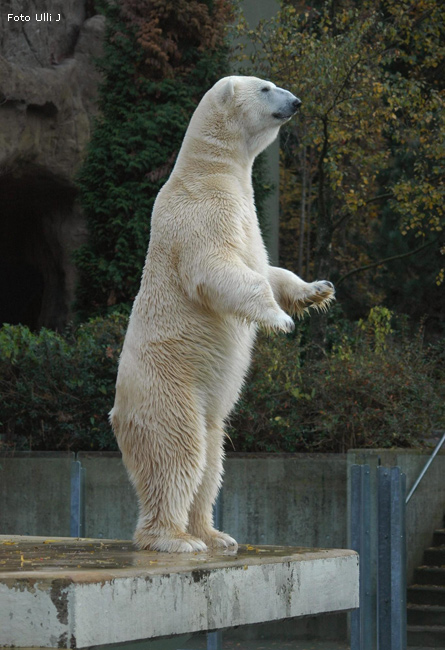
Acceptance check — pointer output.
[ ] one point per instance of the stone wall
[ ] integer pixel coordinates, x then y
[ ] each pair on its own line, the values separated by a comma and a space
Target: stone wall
48, 94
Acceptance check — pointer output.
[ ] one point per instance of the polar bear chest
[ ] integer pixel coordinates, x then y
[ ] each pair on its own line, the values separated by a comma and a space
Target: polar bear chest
252, 249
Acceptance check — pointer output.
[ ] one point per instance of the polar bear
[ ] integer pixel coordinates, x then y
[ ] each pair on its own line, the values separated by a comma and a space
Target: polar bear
206, 286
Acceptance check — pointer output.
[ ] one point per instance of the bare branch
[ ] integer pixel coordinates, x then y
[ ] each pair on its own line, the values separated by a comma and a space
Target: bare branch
381, 262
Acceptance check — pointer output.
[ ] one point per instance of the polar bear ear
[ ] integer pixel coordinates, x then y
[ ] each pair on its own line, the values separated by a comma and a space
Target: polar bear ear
228, 90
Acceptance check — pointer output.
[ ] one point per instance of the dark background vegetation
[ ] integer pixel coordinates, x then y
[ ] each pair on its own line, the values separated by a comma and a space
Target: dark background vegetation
362, 196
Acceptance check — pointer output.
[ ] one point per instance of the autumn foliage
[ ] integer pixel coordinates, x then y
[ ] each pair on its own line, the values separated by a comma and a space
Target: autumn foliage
377, 387
163, 26
362, 184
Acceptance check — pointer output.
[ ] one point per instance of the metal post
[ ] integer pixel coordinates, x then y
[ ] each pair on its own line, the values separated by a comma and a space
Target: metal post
398, 559
360, 530
77, 510
384, 559
214, 639
391, 592
391, 571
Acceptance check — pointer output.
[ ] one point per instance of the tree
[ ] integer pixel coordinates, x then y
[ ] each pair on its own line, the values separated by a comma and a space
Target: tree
159, 59
370, 133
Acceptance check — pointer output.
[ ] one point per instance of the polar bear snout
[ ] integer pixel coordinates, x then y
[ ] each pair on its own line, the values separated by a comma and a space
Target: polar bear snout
288, 104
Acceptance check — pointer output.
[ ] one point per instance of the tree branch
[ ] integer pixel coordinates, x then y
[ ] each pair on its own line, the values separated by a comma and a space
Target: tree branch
384, 261
348, 215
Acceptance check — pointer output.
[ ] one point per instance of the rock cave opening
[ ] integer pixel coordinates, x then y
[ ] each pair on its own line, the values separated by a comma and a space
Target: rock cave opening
39, 227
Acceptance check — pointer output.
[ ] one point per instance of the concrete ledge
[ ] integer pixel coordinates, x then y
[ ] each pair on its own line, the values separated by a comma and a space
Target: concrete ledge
75, 593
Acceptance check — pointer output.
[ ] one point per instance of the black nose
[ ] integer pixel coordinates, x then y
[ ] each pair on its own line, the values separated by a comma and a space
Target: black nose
296, 104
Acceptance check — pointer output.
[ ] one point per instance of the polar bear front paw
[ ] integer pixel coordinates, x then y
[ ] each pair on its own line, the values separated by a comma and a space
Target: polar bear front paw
168, 543
322, 296
278, 321
312, 295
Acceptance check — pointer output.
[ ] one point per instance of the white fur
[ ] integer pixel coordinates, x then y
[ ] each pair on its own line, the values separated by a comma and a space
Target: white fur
206, 285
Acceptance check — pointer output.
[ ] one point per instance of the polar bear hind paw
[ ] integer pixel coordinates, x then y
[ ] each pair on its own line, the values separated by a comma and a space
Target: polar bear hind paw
217, 539
165, 543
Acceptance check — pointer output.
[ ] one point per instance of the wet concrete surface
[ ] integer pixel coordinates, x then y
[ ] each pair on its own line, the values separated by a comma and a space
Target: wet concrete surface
20, 556
60, 589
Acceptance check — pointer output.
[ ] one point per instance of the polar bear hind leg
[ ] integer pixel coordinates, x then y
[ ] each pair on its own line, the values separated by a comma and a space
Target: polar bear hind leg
201, 512
165, 460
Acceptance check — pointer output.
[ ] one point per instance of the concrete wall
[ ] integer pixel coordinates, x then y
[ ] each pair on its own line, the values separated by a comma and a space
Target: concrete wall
426, 508
296, 499
110, 502
35, 493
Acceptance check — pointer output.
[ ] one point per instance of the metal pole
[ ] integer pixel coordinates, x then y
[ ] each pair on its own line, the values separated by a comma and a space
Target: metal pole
383, 560
361, 619
214, 639
398, 560
425, 469
391, 569
77, 509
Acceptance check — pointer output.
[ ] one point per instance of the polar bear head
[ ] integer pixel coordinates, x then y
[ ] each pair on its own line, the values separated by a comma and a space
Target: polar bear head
245, 111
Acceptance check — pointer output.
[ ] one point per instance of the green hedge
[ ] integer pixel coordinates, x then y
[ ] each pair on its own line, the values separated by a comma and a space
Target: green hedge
369, 391
375, 388
155, 69
56, 391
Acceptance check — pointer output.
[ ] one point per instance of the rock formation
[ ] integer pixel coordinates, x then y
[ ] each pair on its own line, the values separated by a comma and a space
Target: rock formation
48, 92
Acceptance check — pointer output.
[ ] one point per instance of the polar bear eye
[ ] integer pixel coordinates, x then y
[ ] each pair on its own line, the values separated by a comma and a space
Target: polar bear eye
265, 89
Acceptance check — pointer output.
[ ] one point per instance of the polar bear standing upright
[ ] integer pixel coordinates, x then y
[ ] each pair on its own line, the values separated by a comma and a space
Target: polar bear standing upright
206, 286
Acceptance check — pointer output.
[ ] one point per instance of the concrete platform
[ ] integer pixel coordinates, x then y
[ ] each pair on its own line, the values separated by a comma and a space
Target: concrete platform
76, 593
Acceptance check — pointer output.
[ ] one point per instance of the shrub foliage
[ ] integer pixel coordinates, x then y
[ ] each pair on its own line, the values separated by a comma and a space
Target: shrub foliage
373, 389
57, 390
376, 388
145, 111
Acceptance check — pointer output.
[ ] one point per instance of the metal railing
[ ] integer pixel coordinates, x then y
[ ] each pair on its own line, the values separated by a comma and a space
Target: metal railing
425, 469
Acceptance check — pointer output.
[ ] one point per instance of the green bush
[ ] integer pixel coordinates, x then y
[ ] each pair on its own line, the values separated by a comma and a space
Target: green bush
376, 388
56, 391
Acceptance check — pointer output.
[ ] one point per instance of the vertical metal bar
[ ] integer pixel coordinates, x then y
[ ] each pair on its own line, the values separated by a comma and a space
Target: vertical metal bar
366, 589
83, 475
391, 577
355, 545
214, 639
383, 559
77, 505
398, 565
361, 619
403, 568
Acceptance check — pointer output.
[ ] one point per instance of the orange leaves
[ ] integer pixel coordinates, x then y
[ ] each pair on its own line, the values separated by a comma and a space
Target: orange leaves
162, 26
